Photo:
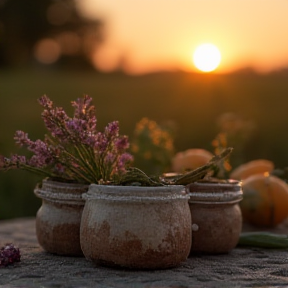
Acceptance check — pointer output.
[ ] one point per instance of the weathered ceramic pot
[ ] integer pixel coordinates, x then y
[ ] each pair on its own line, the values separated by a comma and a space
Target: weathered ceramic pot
58, 219
136, 227
216, 216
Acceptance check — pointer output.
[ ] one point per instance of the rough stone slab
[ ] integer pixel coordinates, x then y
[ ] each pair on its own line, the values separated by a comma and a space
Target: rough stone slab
243, 267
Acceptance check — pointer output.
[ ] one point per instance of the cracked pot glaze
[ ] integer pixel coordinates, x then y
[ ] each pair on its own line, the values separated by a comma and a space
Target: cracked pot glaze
136, 227
216, 216
58, 219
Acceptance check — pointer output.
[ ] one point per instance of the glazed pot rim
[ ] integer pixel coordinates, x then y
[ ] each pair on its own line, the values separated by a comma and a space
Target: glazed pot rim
136, 193
215, 192
224, 183
61, 192
214, 201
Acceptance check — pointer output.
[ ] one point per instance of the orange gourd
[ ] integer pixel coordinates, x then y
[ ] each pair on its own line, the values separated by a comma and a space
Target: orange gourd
190, 159
259, 166
265, 200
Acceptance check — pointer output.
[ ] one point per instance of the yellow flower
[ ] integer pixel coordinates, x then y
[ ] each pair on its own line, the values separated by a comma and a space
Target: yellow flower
147, 155
134, 148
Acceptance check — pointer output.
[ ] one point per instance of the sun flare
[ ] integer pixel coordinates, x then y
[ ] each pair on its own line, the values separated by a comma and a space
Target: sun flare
207, 57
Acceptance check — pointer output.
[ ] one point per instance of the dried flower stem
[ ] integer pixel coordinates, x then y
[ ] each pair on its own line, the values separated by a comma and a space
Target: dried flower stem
135, 176
200, 172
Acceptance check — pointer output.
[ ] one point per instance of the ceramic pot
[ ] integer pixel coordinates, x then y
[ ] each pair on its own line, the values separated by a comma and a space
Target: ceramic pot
58, 219
216, 216
136, 227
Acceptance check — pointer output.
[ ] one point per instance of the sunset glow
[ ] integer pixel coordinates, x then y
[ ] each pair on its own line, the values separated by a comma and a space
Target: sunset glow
207, 57
167, 42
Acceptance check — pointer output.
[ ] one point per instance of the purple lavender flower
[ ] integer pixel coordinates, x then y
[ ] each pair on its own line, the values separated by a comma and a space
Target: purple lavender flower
18, 159
14, 162
123, 161
110, 159
6, 163
60, 169
122, 144
91, 124
85, 111
45, 102
77, 130
21, 138
73, 148
101, 143
81, 106
112, 129
60, 115
55, 121
9, 254
50, 124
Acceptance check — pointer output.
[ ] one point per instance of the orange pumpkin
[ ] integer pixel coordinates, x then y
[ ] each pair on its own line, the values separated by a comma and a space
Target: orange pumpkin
265, 200
259, 166
190, 159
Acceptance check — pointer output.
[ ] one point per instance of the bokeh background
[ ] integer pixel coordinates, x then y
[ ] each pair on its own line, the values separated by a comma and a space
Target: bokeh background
134, 58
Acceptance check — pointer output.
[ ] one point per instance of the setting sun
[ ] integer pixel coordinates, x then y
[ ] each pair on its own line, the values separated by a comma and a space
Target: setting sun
206, 57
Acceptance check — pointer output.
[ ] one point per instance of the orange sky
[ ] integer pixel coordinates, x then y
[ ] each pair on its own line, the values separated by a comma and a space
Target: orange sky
152, 35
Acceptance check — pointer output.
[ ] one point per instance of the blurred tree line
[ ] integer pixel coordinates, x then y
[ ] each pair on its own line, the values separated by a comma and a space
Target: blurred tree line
47, 32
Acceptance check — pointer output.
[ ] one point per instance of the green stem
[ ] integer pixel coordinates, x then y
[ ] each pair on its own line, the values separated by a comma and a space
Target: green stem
82, 175
84, 155
38, 171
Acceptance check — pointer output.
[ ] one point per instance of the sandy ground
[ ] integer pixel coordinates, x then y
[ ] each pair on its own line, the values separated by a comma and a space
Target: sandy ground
243, 267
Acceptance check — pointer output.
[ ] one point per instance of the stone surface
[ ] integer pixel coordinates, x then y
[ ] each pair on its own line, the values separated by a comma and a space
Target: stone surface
243, 267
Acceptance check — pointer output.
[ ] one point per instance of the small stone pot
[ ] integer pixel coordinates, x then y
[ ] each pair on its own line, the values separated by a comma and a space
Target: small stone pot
217, 219
136, 227
58, 219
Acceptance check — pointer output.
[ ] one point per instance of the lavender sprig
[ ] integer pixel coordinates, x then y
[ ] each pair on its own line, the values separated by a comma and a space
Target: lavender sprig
73, 149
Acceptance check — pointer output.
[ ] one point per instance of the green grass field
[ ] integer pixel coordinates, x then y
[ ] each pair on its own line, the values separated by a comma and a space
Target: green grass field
192, 101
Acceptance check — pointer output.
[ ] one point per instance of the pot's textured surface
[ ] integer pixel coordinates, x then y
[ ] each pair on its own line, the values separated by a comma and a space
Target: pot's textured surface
136, 227
58, 219
216, 216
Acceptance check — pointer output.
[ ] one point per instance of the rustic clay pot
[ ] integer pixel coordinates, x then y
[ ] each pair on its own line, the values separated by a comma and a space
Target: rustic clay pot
136, 227
216, 216
58, 219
